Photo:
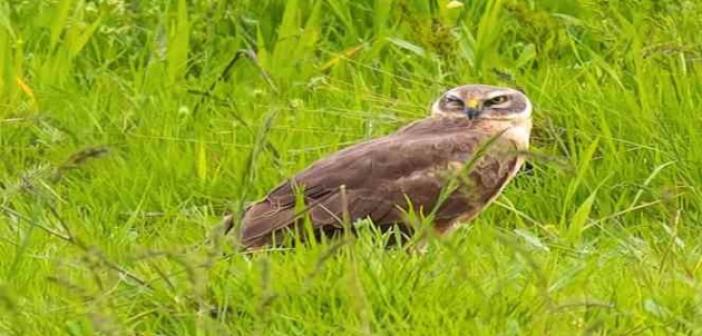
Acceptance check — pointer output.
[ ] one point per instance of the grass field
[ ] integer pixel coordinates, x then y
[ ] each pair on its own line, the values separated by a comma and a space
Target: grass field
128, 128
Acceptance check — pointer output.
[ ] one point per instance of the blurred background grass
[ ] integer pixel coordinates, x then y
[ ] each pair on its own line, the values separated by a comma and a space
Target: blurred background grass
127, 128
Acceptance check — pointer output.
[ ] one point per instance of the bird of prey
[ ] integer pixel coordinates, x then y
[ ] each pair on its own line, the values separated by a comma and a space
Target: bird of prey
473, 142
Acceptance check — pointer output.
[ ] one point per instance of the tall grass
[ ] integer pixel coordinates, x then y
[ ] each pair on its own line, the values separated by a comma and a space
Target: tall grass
128, 128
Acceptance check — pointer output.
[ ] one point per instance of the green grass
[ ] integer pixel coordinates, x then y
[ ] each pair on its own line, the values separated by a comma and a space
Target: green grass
125, 135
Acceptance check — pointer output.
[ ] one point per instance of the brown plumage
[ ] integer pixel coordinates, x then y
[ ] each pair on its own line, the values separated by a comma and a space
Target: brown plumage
380, 177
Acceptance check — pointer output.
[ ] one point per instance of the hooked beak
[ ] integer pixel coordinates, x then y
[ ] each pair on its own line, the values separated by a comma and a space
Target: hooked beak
472, 113
472, 109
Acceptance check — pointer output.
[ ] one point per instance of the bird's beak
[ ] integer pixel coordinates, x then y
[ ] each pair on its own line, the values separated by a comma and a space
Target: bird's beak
472, 109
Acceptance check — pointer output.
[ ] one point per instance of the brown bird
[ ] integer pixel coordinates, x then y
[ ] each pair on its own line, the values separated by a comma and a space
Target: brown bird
450, 165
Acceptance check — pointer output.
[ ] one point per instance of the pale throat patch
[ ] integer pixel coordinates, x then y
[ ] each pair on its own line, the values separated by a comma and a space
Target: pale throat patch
520, 135
517, 130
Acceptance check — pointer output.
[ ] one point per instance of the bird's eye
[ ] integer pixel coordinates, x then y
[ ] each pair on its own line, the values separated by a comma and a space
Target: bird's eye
496, 100
452, 102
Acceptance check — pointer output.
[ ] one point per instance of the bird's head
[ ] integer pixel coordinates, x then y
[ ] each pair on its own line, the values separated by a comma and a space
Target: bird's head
483, 102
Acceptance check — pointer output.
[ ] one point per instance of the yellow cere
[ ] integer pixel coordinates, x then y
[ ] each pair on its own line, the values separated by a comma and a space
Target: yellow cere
472, 103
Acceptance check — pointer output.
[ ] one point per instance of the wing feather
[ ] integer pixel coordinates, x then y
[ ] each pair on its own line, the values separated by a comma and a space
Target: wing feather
379, 176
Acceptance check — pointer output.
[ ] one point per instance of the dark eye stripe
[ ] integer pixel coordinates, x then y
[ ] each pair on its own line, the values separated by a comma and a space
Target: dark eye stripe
453, 102
496, 100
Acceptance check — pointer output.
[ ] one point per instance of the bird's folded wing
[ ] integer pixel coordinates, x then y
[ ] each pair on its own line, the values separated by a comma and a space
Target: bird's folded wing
378, 176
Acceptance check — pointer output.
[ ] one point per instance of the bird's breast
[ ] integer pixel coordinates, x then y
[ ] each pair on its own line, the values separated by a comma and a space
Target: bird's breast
516, 132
